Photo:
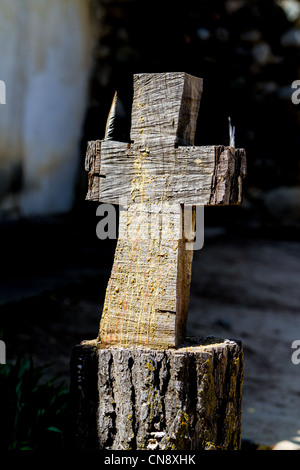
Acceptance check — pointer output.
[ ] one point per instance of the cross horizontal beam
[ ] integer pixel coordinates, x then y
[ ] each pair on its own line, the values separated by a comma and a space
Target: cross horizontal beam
206, 175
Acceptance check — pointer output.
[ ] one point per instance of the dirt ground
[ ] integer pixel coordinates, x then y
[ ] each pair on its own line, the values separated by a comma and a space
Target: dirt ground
245, 288
249, 290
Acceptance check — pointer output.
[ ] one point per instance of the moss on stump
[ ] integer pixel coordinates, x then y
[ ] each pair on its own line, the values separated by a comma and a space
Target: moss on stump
188, 398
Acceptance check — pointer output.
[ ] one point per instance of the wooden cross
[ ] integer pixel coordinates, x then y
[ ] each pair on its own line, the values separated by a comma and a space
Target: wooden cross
157, 176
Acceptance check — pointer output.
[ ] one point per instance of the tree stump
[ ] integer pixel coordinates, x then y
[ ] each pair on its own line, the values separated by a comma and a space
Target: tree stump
187, 398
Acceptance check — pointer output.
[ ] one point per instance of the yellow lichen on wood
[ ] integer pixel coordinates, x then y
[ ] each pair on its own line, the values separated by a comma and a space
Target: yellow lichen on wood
137, 305
161, 170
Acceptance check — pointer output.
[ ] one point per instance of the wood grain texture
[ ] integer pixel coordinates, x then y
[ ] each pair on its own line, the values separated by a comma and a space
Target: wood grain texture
165, 104
206, 175
155, 176
146, 301
142, 399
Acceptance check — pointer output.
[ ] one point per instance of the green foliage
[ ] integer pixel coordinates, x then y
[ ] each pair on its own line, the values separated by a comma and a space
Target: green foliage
32, 411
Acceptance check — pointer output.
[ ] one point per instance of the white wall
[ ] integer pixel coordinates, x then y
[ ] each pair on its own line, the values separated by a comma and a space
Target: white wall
45, 61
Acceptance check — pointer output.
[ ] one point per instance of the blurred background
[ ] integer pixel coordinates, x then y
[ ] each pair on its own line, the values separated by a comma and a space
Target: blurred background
61, 62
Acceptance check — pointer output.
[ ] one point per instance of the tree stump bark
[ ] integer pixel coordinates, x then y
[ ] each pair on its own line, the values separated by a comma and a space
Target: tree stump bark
188, 398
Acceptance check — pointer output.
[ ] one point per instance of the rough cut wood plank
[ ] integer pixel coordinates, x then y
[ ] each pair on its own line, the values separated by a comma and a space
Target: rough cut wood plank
229, 172
165, 104
185, 175
146, 301
182, 399
92, 165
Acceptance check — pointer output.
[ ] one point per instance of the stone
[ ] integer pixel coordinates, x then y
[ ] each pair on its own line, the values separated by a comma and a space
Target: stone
283, 204
251, 35
262, 53
232, 6
203, 34
286, 445
291, 9
291, 38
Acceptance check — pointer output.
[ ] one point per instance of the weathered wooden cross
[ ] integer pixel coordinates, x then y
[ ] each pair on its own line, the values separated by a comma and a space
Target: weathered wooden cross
136, 386
157, 176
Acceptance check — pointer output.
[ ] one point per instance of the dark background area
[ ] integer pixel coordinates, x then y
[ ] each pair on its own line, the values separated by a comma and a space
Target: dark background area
248, 57
241, 54
54, 270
